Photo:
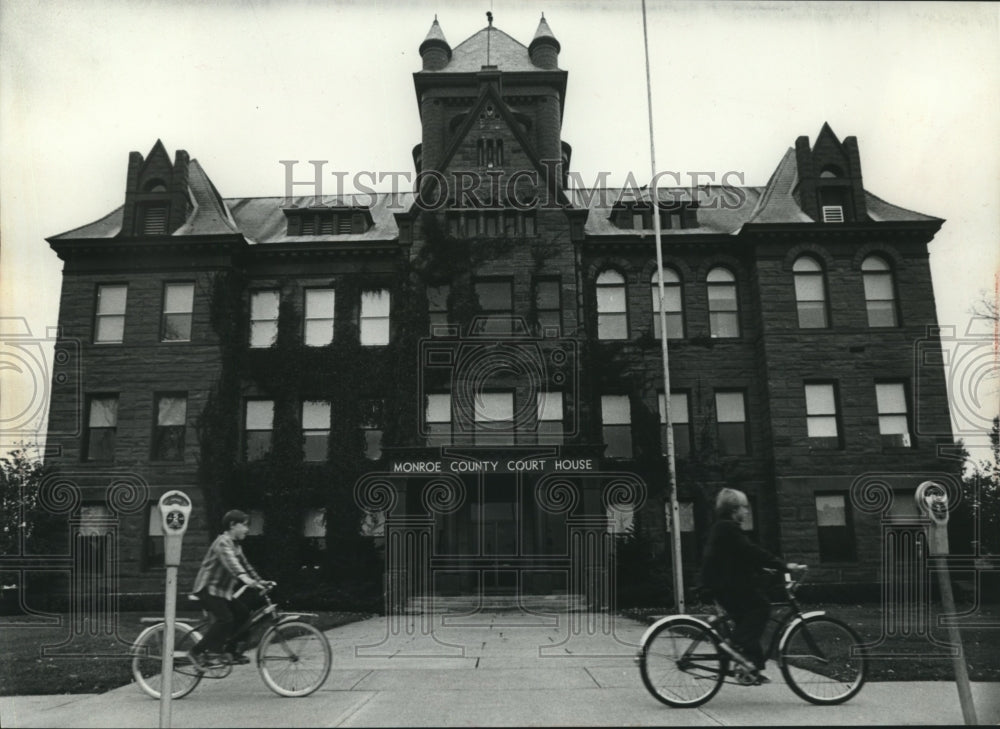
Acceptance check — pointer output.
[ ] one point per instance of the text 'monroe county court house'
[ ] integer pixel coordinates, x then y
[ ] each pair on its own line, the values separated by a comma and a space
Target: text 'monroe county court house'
477, 358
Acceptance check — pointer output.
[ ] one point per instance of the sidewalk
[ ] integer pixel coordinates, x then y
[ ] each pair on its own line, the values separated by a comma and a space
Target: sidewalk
491, 669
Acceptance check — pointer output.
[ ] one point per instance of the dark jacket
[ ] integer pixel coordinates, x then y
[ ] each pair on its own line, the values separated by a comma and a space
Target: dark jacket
732, 563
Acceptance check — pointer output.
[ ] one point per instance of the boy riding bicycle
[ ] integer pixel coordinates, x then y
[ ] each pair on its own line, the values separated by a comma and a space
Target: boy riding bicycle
731, 571
222, 569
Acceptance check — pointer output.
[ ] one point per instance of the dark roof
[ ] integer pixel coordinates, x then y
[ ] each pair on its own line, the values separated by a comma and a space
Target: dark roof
505, 53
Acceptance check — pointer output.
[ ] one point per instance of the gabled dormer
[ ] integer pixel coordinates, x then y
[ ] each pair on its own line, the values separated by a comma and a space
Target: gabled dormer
157, 201
635, 212
829, 186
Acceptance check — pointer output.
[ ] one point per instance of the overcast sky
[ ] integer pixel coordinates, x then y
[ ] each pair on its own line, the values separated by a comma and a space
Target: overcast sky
243, 84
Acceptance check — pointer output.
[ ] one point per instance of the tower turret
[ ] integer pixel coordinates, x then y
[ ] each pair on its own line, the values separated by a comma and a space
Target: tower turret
544, 48
435, 51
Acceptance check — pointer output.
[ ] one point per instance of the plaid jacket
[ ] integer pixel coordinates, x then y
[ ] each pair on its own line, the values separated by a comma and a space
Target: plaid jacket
221, 567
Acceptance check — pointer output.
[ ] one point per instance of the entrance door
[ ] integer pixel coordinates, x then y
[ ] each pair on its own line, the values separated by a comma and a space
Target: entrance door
499, 529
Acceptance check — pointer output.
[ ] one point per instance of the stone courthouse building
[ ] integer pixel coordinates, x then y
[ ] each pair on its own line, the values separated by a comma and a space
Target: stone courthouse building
466, 375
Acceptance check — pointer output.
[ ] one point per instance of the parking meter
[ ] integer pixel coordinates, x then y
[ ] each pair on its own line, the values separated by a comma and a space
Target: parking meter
175, 509
932, 502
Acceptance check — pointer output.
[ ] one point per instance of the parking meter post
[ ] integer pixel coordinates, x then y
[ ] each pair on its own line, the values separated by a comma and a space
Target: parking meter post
932, 502
175, 508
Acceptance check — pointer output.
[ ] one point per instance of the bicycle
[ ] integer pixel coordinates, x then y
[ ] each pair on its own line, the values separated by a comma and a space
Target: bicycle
684, 660
293, 657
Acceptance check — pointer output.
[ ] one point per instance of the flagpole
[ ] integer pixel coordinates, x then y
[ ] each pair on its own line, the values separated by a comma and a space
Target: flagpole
675, 516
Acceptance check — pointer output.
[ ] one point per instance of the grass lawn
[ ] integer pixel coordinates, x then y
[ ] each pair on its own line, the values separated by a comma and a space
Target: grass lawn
913, 657
104, 663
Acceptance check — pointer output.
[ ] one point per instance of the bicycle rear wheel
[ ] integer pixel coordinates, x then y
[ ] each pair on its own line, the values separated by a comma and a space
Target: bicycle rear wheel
681, 663
822, 661
147, 657
294, 658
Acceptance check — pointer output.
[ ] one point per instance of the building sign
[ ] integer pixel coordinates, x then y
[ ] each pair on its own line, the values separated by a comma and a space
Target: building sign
500, 465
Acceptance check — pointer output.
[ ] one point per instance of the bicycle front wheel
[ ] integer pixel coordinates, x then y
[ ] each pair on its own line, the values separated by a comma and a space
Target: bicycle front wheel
822, 660
294, 658
147, 660
681, 663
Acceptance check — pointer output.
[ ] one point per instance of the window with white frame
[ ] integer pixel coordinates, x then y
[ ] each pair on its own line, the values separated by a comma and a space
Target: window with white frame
893, 419
616, 426
496, 304
264, 318
810, 293
551, 427
731, 423
171, 422
375, 318
723, 309
258, 428
109, 319
315, 429
612, 310
437, 307
102, 427
834, 528
673, 303
154, 549
319, 316
313, 538
437, 419
372, 426
880, 292
178, 308
547, 305
494, 418
680, 423
821, 414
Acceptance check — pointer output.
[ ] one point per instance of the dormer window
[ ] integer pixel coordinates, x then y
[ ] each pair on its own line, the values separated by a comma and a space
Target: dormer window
153, 218
328, 221
832, 204
639, 216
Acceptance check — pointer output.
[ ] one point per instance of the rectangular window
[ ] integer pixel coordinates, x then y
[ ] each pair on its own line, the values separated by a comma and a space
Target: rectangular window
834, 528
264, 318
547, 305
178, 305
319, 306
258, 428
616, 422
551, 426
731, 423
154, 550
494, 418
109, 324
171, 423
375, 318
437, 418
373, 423
313, 538
680, 423
437, 307
102, 426
496, 305
821, 415
315, 429
893, 420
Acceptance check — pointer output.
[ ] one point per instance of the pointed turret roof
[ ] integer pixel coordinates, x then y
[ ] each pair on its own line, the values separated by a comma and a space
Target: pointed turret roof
434, 35
544, 33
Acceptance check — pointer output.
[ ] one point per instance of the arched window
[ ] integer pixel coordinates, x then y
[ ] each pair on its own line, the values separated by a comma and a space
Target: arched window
612, 316
673, 303
880, 292
723, 311
810, 293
